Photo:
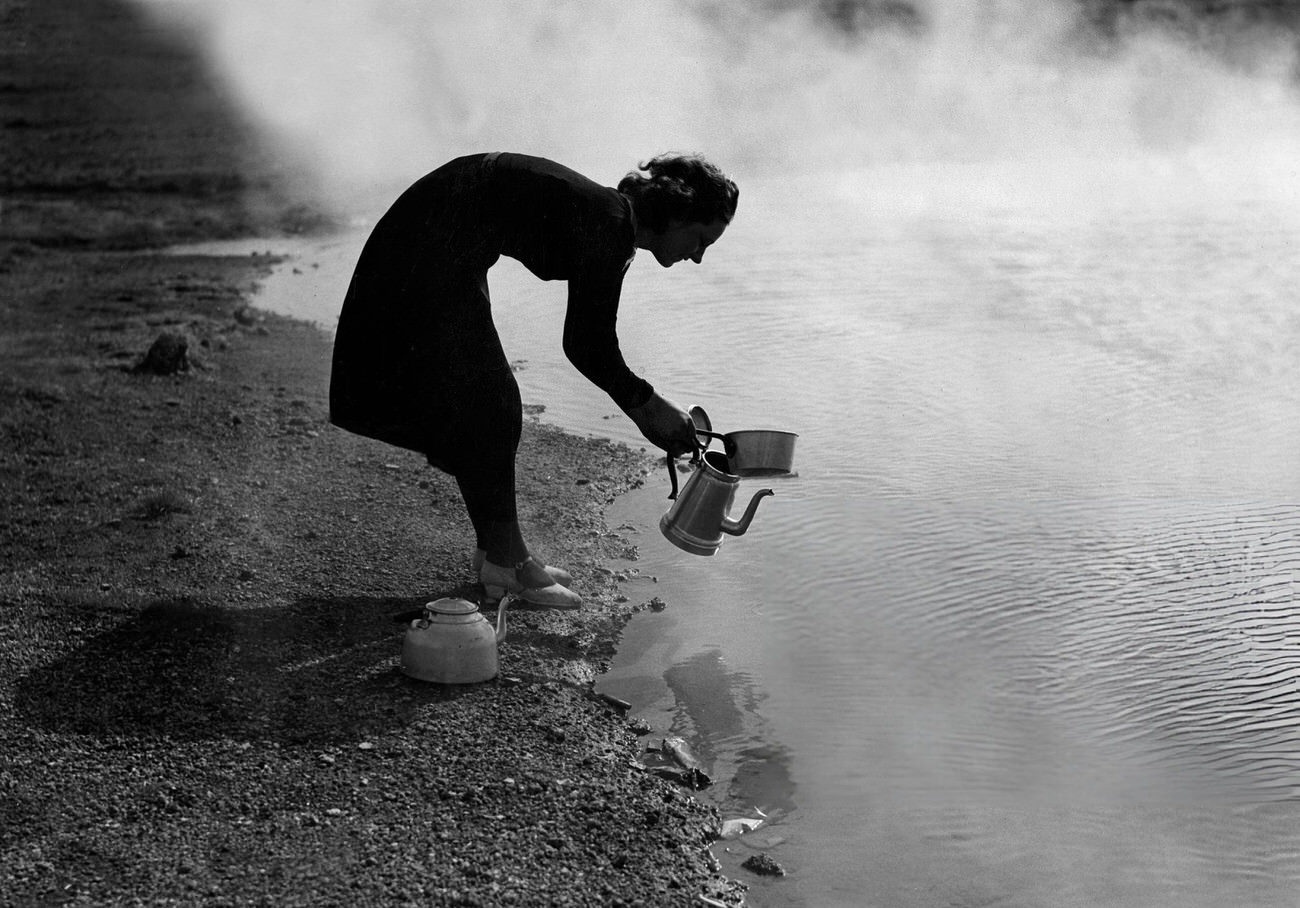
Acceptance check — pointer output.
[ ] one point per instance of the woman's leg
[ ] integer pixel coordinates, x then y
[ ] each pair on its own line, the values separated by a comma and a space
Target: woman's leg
491, 506
490, 428
477, 442
487, 483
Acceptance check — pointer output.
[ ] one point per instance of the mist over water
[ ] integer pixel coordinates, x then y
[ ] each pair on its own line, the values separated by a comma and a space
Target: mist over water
370, 94
1023, 630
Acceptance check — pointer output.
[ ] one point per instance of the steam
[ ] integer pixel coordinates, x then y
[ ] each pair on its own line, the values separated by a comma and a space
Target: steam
367, 95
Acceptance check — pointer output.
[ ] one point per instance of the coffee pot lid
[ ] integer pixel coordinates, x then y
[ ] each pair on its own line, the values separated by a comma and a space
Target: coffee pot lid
451, 607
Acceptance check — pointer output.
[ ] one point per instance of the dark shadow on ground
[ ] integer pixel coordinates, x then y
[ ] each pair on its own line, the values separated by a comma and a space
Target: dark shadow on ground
319, 670
323, 670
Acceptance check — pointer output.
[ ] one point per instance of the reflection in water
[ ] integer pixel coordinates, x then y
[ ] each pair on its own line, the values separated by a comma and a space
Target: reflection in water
721, 711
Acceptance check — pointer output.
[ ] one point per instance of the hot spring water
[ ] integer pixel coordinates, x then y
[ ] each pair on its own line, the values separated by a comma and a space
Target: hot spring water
1022, 630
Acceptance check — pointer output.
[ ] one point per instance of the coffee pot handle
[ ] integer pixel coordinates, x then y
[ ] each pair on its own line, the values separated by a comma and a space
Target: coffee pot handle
672, 468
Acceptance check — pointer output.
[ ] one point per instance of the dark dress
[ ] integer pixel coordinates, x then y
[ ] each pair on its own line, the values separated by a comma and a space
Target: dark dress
417, 360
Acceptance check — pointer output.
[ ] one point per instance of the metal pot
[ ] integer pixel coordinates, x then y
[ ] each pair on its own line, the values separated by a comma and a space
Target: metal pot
753, 452
758, 452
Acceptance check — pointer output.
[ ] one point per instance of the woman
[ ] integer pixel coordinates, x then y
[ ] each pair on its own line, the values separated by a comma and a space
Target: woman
417, 359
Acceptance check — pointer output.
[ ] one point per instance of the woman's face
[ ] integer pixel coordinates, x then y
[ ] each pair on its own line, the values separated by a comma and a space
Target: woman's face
684, 240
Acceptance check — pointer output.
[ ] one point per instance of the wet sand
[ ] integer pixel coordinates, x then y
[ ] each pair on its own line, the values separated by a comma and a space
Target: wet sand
203, 582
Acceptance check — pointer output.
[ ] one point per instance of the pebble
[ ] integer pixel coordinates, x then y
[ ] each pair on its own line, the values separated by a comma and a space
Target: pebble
763, 865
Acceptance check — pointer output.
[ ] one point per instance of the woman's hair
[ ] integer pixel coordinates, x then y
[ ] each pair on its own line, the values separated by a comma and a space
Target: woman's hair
683, 188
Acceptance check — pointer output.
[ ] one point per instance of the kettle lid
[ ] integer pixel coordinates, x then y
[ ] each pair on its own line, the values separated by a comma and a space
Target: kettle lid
451, 607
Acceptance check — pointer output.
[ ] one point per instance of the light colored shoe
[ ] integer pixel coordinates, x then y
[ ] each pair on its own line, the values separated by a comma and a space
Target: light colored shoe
498, 580
559, 575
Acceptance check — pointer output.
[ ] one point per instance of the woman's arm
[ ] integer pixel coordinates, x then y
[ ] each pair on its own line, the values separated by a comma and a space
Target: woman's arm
666, 425
591, 344
591, 339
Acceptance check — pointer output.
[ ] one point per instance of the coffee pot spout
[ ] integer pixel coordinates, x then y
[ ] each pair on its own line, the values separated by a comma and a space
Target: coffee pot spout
738, 527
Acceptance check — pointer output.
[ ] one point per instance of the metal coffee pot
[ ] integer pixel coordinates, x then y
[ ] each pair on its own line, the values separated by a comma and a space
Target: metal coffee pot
698, 517
453, 643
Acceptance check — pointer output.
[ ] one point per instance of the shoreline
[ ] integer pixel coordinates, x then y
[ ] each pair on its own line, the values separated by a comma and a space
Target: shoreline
202, 579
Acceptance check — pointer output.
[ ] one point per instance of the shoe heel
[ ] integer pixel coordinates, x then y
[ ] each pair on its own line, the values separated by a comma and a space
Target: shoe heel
494, 593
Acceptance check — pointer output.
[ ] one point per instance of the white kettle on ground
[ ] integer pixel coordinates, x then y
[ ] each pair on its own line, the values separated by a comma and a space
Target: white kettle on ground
452, 643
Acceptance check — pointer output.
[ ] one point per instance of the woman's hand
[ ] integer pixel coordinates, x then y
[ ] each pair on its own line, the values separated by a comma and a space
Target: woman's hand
665, 425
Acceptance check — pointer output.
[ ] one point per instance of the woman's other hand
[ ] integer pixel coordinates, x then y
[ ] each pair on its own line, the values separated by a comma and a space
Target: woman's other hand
665, 425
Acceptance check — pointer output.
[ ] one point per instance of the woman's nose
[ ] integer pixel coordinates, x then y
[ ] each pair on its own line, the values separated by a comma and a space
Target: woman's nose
697, 257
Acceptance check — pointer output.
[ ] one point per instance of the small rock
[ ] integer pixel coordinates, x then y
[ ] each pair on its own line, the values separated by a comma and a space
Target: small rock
168, 355
614, 701
696, 779
763, 865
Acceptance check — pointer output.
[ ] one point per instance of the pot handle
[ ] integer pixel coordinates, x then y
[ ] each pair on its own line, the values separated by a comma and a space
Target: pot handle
728, 443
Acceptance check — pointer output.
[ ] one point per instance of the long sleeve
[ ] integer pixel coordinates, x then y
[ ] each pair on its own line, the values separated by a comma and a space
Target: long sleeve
591, 339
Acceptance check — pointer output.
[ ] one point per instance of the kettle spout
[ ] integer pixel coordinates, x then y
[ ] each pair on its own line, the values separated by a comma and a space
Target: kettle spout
738, 527
501, 619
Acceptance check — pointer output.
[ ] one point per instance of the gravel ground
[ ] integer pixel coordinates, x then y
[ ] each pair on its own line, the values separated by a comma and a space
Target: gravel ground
203, 584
